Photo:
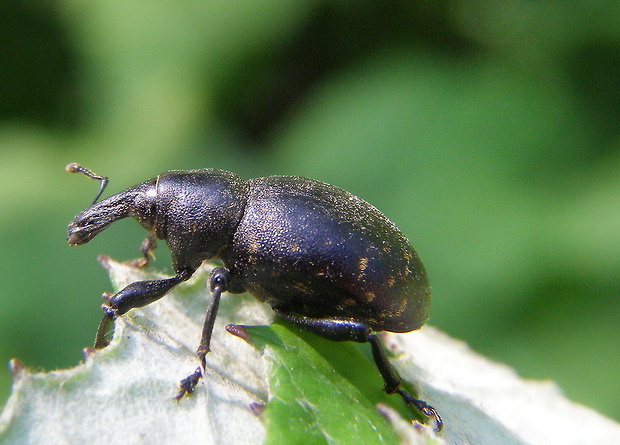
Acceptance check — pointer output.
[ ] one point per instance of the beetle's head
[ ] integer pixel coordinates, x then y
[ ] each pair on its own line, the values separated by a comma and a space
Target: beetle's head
137, 201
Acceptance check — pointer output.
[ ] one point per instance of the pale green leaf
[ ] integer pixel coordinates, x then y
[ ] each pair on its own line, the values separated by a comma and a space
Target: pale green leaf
290, 387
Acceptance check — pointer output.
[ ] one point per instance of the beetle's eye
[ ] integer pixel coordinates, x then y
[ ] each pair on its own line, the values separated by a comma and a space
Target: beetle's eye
81, 224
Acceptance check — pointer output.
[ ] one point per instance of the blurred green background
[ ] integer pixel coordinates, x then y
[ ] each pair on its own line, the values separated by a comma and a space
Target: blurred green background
487, 131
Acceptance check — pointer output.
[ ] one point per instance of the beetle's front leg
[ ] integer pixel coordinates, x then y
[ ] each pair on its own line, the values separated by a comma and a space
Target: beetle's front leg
137, 294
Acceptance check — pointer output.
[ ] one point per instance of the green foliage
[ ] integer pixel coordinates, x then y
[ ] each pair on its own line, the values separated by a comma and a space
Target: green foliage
295, 388
310, 401
488, 131
124, 393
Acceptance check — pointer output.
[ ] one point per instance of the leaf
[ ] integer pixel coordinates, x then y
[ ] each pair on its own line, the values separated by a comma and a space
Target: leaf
310, 401
124, 393
486, 403
289, 387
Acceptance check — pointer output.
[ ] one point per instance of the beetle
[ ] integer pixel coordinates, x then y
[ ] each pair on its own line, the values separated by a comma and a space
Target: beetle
324, 259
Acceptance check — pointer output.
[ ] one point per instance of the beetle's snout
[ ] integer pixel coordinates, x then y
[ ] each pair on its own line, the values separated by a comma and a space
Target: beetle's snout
96, 218
84, 227
79, 233
76, 236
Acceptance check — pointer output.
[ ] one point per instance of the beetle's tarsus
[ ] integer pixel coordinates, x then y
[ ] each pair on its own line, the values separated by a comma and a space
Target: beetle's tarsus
424, 408
188, 384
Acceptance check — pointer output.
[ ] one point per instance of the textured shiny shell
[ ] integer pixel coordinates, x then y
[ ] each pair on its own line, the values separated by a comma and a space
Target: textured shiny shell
319, 251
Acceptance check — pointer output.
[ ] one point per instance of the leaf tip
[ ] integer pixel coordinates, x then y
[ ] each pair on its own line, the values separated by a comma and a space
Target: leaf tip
17, 369
105, 260
257, 409
88, 352
238, 331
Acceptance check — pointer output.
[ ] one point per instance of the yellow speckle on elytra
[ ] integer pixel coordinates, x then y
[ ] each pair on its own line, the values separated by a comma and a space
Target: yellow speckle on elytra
403, 306
362, 264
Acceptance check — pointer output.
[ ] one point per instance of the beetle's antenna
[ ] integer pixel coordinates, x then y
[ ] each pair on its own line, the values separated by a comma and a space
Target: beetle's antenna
77, 168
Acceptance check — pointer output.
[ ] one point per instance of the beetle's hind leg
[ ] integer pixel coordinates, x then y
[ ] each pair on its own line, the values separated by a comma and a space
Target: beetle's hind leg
393, 382
346, 330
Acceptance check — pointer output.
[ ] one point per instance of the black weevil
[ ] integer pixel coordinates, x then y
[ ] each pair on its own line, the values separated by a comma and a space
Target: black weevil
323, 258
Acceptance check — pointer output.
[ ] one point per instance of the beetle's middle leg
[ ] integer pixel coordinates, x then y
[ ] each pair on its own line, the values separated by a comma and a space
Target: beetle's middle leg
345, 330
218, 283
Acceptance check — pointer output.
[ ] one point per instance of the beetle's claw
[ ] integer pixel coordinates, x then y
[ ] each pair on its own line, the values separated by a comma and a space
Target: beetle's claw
188, 384
424, 408
434, 416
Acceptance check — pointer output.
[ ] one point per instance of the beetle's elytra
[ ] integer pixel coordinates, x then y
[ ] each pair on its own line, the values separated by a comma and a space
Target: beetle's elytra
323, 258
